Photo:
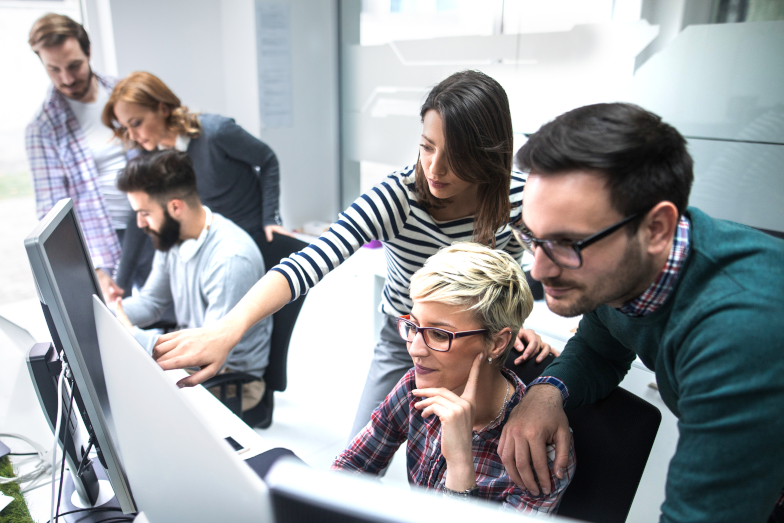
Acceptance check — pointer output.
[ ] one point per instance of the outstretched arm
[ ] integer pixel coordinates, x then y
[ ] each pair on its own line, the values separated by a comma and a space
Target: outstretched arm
208, 347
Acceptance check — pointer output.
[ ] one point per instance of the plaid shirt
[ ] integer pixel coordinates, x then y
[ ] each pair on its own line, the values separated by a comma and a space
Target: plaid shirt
62, 166
657, 293
397, 420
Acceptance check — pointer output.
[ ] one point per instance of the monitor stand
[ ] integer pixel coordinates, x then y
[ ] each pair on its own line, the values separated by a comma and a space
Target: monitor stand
71, 500
90, 487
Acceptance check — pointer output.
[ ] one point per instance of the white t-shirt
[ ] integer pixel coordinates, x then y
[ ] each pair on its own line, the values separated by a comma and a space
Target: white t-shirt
108, 153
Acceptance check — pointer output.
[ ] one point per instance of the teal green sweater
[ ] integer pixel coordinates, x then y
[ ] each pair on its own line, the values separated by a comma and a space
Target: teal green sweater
717, 348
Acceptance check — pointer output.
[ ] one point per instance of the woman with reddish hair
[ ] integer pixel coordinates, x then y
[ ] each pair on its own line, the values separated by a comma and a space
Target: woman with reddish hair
237, 174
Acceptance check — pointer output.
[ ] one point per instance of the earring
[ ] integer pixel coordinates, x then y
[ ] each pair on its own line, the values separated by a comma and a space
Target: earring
490, 359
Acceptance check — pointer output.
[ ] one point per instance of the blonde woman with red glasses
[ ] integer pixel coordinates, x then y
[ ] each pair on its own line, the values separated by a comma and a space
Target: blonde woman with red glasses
469, 304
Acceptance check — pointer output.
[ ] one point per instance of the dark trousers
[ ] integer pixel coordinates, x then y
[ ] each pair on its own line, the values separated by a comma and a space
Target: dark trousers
136, 257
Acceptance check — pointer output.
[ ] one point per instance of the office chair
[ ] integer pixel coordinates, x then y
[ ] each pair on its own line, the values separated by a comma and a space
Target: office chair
612, 441
283, 325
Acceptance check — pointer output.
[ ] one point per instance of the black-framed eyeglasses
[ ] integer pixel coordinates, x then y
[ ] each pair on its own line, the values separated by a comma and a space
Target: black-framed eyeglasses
437, 339
566, 254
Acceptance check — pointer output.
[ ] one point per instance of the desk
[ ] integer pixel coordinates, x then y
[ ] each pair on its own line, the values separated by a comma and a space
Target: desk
21, 412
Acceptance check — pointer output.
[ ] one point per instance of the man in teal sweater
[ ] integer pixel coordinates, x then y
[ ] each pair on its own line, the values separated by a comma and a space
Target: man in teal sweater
699, 300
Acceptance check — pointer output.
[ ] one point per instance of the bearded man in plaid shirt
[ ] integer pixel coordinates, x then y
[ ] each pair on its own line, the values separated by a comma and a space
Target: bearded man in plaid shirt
71, 153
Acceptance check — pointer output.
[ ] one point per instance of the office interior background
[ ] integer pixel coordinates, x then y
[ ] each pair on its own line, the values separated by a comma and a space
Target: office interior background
334, 87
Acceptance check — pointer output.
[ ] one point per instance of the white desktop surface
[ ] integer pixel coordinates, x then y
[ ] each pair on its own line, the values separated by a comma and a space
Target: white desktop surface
221, 419
20, 410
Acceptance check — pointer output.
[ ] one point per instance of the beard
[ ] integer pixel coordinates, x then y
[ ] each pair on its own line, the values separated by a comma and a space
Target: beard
169, 234
619, 286
80, 95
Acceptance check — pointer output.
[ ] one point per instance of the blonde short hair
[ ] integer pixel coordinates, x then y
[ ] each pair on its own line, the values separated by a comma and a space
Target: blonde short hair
488, 282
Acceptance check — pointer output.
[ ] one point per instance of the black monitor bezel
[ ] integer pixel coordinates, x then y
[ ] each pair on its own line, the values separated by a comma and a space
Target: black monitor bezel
49, 295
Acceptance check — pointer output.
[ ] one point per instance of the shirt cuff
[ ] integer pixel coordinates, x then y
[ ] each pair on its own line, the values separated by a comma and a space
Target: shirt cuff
146, 338
555, 382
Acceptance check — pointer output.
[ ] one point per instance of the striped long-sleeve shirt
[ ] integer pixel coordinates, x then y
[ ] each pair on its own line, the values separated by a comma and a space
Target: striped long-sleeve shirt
389, 212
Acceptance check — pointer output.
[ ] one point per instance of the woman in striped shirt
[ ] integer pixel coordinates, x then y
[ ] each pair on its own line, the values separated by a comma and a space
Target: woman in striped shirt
461, 189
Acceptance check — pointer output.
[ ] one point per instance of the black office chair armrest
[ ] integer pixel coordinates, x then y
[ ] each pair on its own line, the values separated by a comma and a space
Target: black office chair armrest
229, 378
238, 379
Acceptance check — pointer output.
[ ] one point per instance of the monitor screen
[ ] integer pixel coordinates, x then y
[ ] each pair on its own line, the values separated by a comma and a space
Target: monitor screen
66, 282
301, 494
73, 275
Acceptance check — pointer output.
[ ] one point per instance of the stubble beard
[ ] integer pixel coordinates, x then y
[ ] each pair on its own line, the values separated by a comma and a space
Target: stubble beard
81, 95
619, 286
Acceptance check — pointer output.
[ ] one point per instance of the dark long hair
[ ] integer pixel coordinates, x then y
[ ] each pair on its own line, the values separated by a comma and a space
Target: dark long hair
478, 136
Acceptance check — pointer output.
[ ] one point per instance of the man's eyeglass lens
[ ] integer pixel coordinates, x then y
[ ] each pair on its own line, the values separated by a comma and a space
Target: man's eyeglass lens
564, 255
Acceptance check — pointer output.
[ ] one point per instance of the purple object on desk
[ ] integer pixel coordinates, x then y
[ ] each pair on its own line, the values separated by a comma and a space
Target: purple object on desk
372, 244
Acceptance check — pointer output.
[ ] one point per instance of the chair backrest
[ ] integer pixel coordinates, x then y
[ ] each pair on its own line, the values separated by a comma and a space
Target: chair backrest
613, 439
285, 319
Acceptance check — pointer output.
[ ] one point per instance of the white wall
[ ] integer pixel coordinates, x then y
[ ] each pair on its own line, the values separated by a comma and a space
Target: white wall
205, 51
177, 40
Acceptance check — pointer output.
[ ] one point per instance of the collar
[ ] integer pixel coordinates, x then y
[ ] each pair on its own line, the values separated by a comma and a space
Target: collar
658, 292
58, 100
189, 248
180, 144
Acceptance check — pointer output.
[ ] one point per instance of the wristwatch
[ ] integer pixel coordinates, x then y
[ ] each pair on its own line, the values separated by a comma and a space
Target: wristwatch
461, 493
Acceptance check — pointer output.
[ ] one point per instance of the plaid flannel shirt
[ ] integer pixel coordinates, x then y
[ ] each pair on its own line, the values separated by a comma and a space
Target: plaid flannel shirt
62, 166
396, 420
659, 290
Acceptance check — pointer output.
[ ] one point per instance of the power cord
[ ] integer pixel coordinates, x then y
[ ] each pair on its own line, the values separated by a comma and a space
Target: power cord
90, 510
65, 443
41, 468
85, 457
60, 380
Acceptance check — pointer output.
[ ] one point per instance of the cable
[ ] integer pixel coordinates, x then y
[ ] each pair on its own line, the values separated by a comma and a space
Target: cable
85, 457
38, 482
65, 444
41, 468
57, 434
90, 509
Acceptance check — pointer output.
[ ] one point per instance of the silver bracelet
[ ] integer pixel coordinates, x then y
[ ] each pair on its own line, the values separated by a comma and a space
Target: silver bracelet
461, 493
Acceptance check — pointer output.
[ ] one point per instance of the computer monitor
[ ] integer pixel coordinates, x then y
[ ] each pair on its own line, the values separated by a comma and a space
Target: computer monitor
301, 494
180, 468
66, 282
